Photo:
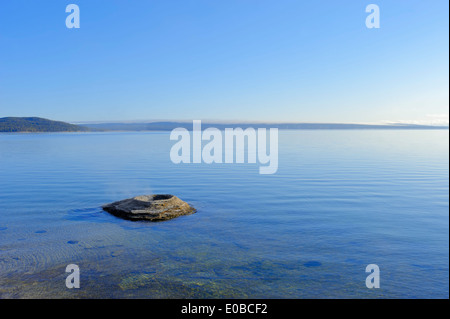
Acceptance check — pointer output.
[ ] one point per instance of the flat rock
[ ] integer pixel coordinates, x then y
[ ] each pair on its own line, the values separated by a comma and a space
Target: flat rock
150, 207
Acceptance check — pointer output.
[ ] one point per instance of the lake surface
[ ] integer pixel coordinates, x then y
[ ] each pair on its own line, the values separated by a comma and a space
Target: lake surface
340, 200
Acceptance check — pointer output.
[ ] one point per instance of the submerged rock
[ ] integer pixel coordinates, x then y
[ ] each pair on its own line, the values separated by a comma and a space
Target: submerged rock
312, 263
149, 207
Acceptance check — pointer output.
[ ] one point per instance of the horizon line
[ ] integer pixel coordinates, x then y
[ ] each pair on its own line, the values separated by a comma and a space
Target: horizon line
222, 122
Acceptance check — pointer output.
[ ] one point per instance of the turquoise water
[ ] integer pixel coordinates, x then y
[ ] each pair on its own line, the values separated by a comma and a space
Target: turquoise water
340, 200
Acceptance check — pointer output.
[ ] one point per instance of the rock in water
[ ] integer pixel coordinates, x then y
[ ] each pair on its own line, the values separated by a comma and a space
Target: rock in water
150, 207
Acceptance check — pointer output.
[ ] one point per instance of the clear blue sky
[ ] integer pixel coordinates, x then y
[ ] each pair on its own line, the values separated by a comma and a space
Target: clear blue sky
252, 60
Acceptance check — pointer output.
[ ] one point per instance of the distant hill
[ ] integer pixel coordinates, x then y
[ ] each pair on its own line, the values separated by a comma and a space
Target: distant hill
37, 124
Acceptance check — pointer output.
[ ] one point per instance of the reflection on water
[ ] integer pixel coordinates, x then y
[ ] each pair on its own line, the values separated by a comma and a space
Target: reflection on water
340, 200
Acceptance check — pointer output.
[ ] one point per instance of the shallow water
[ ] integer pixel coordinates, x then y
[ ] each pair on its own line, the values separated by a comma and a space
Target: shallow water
340, 200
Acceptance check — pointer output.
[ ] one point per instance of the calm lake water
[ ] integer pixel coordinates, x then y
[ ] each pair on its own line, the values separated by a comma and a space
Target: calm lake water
340, 200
